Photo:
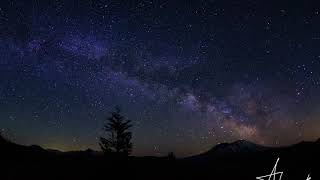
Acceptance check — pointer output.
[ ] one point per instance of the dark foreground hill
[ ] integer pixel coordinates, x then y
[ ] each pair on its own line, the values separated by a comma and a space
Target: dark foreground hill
241, 160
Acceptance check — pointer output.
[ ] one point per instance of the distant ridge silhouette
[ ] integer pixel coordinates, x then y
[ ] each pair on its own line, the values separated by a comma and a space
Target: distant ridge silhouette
222, 149
223, 161
240, 146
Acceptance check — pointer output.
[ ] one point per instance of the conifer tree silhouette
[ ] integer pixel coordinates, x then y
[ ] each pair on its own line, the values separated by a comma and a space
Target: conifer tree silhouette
118, 137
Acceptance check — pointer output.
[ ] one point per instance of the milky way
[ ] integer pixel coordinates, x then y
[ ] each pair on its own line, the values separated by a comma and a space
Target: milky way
189, 74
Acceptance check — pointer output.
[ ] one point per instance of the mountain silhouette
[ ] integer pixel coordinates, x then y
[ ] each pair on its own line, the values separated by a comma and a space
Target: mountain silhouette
240, 146
237, 160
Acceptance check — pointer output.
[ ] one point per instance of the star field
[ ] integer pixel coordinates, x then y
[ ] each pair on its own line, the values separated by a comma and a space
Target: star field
189, 74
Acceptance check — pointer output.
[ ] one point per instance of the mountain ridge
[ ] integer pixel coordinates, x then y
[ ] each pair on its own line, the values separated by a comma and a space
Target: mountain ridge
222, 149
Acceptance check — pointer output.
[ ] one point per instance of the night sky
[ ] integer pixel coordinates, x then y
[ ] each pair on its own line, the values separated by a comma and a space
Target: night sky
189, 74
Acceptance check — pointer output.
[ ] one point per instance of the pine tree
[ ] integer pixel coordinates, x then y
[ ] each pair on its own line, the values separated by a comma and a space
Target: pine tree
118, 137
